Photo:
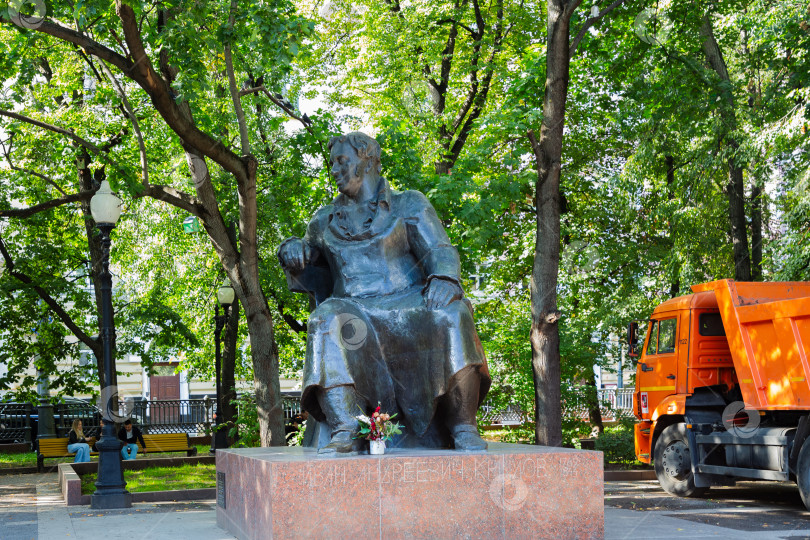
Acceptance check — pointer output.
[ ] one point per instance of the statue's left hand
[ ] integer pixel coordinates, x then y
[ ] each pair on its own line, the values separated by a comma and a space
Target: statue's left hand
440, 293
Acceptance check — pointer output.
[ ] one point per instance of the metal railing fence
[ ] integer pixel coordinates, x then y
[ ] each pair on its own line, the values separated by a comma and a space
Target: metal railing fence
192, 416
612, 401
494, 416
17, 422
65, 413
619, 399
292, 407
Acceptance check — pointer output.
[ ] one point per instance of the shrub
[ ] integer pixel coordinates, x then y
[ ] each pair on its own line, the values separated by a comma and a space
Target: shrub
247, 422
617, 442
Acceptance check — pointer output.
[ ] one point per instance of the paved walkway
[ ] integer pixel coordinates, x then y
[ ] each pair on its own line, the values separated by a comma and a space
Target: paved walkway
31, 508
750, 510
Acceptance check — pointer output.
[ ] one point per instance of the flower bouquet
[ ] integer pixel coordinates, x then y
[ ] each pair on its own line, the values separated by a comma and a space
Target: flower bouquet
377, 429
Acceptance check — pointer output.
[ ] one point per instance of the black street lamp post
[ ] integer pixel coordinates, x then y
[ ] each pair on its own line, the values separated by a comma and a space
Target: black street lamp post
110, 486
225, 297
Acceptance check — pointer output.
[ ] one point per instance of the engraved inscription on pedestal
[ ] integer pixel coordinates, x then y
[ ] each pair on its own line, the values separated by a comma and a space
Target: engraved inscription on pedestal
221, 489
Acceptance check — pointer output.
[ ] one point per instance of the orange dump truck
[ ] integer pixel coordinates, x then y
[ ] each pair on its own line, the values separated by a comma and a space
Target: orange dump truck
723, 386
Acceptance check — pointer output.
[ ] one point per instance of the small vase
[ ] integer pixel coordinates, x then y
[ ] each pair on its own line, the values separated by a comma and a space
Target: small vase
376, 448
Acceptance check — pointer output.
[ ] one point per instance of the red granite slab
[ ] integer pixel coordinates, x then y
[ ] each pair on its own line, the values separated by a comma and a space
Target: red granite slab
331, 498
446, 495
558, 494
514, 491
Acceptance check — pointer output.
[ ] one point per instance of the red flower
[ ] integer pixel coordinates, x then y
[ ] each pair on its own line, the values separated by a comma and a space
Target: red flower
377, 409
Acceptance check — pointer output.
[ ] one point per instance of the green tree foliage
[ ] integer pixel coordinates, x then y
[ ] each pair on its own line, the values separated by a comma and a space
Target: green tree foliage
651, 134
154, 96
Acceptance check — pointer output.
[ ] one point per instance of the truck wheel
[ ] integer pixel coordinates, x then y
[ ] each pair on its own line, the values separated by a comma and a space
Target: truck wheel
803, 473
673, 463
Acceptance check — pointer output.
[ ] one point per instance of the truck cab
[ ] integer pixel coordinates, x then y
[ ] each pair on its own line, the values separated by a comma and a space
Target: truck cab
685, 348
723, 386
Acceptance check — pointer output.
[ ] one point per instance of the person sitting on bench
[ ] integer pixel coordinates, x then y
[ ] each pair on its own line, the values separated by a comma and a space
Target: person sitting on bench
77, 443
129, 434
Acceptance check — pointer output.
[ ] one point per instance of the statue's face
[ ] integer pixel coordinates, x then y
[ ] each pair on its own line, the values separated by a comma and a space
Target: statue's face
346, 169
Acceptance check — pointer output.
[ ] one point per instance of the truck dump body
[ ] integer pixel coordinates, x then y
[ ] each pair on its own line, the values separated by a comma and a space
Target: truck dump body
768, 330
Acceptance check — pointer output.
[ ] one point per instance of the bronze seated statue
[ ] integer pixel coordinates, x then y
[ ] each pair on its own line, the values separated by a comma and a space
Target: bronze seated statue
391, 323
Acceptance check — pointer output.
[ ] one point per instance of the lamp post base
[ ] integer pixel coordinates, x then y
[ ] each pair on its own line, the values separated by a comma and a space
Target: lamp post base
107, 501
220, 439
110, 486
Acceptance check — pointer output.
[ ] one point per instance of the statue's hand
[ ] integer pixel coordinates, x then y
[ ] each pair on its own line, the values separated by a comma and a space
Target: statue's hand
295, 254
440, 293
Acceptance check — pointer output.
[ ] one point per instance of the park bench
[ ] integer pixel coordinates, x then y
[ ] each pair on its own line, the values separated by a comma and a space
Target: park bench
167, 442
52, 448
156, 443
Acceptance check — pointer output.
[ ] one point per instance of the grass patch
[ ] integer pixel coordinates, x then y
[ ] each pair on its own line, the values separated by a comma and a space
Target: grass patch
515, 434
161, 479
29, 459
25, 459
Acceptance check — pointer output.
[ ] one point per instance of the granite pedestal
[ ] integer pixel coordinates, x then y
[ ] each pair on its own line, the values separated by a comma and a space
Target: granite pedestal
510, 491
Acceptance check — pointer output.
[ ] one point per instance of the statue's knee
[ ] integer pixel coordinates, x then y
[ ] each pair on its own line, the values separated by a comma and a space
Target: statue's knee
326, 313
455, 313
342, 321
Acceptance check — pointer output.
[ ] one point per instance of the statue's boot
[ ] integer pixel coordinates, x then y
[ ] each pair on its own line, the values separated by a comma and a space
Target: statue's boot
461, 403
339, 405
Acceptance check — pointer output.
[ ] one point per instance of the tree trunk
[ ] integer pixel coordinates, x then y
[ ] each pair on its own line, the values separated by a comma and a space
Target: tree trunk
545, 336
85, 177
735, 189
442, 167
756, 233
228, 367
243, 271
594, 410
265, 373
736, 213
675, 283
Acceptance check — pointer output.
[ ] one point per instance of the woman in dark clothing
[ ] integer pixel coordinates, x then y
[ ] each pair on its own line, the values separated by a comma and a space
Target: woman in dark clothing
77, 443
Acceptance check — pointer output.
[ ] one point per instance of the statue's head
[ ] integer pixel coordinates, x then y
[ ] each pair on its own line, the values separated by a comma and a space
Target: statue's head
353, 158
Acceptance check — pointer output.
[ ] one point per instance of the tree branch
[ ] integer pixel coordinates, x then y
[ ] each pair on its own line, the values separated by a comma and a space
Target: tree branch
291, 321
291, 113
22, 118
71, 36
479, 20
447, 58
23, 213
12, 166
132, 118
48, 179
477, 98
49, 300
173, 197
590, 21
143, 72
572, 7
235, 96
